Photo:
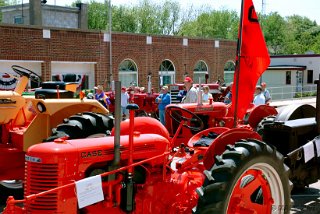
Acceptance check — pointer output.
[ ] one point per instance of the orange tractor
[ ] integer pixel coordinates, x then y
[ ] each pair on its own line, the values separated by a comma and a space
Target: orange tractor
26, 120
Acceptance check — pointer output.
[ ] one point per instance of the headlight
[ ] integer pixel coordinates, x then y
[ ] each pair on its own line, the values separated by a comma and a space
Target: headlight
41, 108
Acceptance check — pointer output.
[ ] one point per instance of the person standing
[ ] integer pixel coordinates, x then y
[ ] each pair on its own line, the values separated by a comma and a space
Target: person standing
259, 99
101, 96
192, 93
228, 97
206, 96
124, 103
266, 93
163, 100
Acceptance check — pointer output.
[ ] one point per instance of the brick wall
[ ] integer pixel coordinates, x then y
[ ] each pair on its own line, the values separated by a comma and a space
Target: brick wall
27, 43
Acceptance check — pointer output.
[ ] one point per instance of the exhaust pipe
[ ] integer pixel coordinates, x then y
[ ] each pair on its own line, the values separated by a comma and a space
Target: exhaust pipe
117, 116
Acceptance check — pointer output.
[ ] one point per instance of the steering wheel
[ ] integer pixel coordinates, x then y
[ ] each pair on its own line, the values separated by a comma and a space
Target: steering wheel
26, 72
191, 120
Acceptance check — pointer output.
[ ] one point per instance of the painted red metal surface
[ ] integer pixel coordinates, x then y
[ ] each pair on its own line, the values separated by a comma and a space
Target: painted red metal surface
241, 201
228, 137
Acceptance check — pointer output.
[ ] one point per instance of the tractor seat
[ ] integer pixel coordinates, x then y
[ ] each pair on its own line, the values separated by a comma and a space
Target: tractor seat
50, 90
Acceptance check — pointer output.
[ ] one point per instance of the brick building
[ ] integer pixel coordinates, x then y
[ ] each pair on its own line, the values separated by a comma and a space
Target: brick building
58, 49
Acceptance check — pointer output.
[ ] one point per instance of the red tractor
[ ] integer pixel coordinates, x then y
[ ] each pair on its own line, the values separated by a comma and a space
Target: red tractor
219, 170
203, 161
146, 102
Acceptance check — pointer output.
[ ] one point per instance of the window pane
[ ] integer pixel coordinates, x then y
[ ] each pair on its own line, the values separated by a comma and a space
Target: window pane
228, 77
196, 76
127, 79
200, 67
166, 65
310, 76
288, 77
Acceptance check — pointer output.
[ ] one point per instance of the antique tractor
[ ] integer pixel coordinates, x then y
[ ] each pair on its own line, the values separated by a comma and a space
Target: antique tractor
26, 120
218, 169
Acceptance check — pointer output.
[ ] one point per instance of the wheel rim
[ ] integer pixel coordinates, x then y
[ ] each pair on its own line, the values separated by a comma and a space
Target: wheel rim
12, 184
259, 177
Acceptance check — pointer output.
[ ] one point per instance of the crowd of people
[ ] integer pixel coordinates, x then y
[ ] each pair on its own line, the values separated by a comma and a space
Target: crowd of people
189, 94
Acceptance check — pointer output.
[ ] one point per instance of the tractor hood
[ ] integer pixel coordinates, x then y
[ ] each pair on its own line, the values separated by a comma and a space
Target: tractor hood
82, 153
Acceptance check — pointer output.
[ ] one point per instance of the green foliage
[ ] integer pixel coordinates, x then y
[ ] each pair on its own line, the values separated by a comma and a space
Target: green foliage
305, 94
273, 27
215, 24
97, 15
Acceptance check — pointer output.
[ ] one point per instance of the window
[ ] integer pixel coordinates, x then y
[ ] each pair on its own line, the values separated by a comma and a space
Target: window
200, 70
128, 73
18, 20
310, 77
288, 77
229, 69
166, 73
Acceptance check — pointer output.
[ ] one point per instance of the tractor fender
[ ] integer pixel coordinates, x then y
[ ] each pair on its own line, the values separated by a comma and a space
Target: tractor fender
258, 113
295, 111
229, 137
143, 125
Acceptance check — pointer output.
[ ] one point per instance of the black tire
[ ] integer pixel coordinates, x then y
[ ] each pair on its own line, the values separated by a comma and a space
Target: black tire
83, 125
231, 173
263, 122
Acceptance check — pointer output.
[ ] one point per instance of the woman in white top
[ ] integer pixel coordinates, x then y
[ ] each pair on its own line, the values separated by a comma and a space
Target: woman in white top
206, 96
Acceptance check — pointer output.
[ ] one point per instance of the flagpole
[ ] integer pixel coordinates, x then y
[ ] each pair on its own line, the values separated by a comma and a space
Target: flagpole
237, 69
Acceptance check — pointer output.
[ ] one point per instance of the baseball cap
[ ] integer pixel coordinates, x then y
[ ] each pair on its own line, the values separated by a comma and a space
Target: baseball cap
99, 87
258, 87
123, 88
188, 79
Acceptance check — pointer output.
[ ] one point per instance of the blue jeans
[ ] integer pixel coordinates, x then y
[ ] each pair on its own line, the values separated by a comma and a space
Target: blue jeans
125, 111
162, 116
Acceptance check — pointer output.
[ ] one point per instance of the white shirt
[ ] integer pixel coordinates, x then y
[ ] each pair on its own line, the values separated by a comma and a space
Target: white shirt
191, 96
259, 99
206, 97
124, 99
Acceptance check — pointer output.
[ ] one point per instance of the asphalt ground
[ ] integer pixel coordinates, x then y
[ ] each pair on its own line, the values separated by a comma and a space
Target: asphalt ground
306, 202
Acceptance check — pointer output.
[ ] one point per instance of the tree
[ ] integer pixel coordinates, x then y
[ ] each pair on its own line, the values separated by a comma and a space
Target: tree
97, 15
298, 37
214, 24
274, 27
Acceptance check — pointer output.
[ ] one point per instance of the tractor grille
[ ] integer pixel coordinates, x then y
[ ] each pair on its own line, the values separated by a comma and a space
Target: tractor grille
39, 178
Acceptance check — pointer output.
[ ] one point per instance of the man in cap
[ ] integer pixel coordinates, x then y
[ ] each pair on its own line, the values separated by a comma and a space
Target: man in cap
259, 99
101, 96
192, 93
163, 100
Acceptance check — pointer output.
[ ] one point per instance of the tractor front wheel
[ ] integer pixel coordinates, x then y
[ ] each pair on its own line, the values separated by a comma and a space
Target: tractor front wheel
249, 177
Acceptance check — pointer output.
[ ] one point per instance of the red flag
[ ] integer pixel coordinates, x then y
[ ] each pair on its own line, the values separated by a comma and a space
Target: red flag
254, 59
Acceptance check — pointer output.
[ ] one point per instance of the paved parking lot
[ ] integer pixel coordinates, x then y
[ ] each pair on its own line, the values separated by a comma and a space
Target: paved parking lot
307, 202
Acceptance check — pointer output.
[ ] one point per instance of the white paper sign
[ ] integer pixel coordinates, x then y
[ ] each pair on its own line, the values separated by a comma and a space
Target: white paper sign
308, 150
89, 191
317, 141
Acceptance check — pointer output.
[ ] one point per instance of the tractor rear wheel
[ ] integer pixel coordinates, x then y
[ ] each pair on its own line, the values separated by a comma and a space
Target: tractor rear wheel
249, 177
83, 125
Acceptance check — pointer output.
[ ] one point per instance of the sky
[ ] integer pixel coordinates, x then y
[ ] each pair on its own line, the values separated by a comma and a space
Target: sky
308, 8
